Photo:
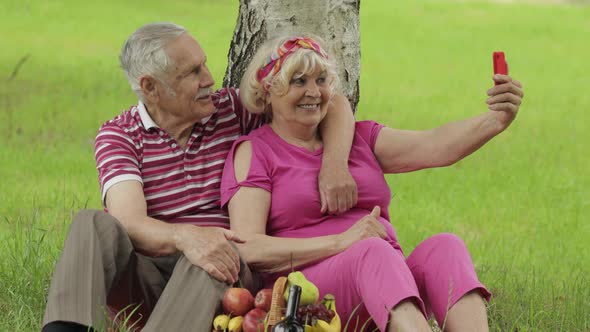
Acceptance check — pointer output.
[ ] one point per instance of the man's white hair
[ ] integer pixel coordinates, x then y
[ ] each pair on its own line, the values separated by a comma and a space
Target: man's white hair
143, 53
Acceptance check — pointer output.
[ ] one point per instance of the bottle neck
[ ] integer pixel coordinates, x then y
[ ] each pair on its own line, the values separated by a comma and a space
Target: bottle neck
293, 302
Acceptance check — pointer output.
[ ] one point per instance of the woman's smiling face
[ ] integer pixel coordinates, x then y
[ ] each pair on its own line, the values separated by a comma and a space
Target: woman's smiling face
305, 102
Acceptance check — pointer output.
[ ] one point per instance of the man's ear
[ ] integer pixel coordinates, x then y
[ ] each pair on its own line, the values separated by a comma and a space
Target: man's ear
149, 88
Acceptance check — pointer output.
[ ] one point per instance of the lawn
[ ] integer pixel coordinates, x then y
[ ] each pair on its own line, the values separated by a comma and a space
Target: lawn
522, 203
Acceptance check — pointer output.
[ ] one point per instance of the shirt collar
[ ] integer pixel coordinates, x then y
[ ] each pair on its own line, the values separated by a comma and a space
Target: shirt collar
205, 119
147, 121
145, 117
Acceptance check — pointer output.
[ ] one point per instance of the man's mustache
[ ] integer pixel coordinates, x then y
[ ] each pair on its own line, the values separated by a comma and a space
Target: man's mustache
203, 92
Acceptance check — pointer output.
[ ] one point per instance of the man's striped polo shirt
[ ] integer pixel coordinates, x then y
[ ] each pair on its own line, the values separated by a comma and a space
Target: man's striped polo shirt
180, 185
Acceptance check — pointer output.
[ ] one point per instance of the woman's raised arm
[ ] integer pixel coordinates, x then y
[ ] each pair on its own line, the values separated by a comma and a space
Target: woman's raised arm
401, 151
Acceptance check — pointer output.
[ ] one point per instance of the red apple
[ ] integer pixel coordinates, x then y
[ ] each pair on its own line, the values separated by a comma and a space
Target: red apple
254, 320
237, 301
263, 299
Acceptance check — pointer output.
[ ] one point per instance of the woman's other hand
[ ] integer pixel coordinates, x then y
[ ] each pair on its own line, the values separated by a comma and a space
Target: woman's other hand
505, 99
368, 226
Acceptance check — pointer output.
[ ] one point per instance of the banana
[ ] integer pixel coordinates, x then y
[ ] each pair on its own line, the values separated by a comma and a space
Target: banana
235, 324
220, 322
323, 326
310, 328
335, 325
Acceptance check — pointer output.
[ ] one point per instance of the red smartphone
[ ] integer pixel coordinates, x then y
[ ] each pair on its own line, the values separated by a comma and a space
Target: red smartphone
500, 65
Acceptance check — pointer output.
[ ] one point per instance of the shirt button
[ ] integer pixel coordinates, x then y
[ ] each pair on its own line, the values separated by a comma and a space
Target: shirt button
189, 177
174, 145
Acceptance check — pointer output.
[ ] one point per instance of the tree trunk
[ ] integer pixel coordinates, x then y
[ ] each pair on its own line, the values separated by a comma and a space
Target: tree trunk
335, 21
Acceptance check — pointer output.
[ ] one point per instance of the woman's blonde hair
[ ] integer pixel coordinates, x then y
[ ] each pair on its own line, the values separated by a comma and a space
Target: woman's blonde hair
253, 93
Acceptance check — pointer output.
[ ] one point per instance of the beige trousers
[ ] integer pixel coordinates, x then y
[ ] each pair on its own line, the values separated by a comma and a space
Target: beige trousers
99, 268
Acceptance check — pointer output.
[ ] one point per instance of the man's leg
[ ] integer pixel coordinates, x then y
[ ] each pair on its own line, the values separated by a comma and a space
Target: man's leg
192, 298
136, 293
97, 252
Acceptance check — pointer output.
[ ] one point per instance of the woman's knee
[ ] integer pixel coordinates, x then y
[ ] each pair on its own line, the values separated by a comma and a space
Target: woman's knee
371, 246
446, 241
365, 250
375, 255
440, 244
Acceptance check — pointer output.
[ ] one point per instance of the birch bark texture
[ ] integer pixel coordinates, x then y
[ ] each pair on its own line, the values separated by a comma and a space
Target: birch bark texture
335, 21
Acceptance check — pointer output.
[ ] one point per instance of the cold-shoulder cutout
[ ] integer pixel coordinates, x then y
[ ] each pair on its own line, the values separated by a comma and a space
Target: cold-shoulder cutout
242, 160
246, 166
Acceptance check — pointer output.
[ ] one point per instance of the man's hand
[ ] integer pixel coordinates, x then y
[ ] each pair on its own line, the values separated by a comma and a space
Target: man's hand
505, 99
209, 248
338, 191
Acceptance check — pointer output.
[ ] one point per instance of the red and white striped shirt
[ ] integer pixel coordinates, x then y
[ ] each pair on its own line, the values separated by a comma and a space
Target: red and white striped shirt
180, 185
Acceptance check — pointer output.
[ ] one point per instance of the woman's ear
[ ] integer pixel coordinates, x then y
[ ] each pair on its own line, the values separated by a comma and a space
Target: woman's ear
266, 86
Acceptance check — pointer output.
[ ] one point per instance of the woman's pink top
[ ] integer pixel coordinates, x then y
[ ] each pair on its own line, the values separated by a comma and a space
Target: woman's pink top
290, 174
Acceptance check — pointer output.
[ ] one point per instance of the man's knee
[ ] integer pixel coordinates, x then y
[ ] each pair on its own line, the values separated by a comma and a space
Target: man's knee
89, 221
197, 276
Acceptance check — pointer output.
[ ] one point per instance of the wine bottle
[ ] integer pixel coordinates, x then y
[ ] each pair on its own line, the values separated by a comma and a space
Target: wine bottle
291, 323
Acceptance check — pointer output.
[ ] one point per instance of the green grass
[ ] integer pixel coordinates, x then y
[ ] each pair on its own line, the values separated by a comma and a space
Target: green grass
522, 203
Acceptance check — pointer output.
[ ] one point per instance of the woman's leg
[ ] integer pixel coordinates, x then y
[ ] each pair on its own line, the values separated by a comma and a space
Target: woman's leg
468, 314
444, 273
372, 276
406, 316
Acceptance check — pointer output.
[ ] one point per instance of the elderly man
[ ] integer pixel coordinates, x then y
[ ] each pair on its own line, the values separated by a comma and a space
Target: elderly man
165, 244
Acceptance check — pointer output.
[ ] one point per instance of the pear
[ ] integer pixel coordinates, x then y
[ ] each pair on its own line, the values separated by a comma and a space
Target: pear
309, 292
235, 324
220, 322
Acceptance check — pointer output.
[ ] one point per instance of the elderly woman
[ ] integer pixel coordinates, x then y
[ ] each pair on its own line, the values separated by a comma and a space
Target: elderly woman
270, 180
